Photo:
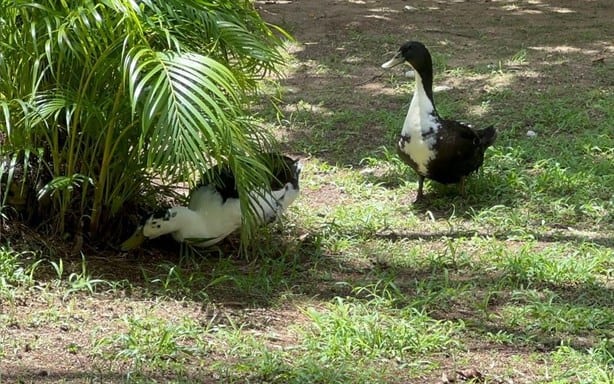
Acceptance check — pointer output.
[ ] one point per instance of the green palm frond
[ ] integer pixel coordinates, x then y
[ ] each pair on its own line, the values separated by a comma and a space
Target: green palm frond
119, 91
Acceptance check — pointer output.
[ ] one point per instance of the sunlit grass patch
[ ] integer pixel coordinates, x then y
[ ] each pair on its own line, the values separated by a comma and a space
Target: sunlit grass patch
556, 264
253, 359
13, 271
376, 328
593, 366
150, 343
545, 313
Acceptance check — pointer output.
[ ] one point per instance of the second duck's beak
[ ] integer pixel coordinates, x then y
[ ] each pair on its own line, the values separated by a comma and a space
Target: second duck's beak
133, 241
396, 60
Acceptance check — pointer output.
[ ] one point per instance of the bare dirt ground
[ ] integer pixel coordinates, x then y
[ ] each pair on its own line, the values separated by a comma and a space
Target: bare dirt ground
357, 35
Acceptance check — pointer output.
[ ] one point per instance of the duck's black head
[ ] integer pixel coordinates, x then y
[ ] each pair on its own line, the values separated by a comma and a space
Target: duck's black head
416, 54
159, 214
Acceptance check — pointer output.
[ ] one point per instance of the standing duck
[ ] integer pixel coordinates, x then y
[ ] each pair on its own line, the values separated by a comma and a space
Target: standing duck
214, 209
443, 150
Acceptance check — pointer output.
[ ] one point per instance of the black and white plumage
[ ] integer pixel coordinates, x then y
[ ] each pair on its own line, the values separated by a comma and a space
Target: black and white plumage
214, 209
443, 150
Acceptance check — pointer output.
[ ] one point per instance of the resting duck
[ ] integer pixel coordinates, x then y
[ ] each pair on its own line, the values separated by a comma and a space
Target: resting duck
214, 209
446, 151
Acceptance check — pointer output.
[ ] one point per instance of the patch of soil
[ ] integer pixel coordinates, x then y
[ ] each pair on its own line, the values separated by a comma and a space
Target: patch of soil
43, 339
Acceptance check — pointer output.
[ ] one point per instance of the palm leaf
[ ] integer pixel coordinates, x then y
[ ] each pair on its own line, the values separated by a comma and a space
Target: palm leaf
121, 91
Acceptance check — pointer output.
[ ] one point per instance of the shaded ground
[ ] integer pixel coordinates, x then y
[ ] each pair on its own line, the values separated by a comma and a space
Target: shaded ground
339, 49
343, 43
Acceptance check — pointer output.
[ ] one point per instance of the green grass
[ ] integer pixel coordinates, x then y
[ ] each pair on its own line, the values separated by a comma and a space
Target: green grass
149, 343
15, 271
375, 330
358, 284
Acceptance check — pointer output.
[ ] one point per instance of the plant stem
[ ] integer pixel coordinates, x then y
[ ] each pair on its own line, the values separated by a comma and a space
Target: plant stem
101, 185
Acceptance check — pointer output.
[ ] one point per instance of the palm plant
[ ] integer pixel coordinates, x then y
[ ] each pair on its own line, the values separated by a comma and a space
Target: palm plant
113, 93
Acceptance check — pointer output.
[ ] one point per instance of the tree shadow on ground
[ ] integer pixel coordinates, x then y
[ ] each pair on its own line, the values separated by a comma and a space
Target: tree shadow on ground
482, 191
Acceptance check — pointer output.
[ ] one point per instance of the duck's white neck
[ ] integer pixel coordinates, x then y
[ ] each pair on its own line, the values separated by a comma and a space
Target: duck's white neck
185, 218
421, 116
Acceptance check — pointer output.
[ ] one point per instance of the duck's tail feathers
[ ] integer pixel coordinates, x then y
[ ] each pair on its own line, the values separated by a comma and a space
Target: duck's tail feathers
487, 136
268, 205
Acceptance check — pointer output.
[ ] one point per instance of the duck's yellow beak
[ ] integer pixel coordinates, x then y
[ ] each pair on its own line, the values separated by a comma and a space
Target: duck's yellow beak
134, 241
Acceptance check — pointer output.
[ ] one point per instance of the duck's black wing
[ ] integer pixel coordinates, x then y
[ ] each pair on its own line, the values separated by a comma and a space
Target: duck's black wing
221, 178
460, 151
282, 168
